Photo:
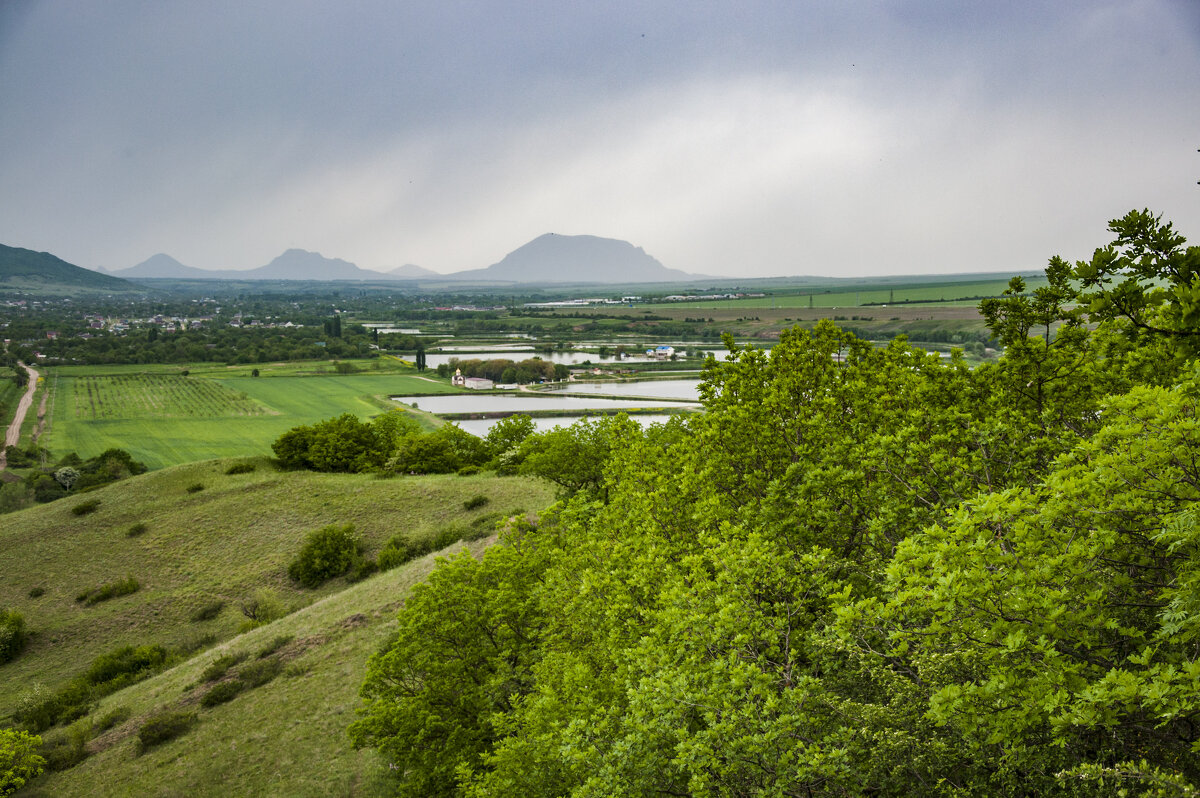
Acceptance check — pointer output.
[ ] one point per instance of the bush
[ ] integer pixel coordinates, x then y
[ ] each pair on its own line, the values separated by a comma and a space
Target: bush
195, 487
395, 552
124, 666
475, 502
328, 552
263, 607
12, 635
220, 666
122, 587
207, 612
136, 530
220, 693
467, 471
261, 671
240, 468
363, 569
164, 727
37, 592
114, 717
83, 508
67, 748
276, 644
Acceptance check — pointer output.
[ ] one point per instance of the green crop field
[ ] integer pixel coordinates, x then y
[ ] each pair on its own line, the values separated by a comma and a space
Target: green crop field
948, 293
162, 418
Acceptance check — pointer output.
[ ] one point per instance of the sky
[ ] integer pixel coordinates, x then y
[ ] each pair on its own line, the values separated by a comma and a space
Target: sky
747, 139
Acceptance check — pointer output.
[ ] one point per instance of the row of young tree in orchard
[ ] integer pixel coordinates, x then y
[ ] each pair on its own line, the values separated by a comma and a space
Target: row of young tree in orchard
861, 571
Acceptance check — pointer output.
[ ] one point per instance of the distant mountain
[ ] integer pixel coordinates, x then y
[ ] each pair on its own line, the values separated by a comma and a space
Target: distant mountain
554, 258
164, 266
299, 264
411, 272
24, 268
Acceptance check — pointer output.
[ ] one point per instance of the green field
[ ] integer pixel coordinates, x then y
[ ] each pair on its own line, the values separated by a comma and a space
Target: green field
163, 418
871, 294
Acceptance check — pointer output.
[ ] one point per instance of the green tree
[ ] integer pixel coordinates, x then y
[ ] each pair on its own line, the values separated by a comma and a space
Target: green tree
20, 762
1146, 277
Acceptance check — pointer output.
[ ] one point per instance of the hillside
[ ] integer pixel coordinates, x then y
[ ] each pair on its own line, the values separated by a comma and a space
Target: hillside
553, 258
24, 269
163, 266
222, 543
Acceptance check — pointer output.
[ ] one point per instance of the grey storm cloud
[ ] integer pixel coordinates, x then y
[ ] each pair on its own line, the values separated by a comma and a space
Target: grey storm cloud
750, 139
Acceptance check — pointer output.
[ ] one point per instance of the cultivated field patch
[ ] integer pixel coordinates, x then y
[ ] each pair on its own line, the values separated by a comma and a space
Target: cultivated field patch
157, 396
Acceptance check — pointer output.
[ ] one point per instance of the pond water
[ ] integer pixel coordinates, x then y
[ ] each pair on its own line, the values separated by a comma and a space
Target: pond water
662, 389
522, 402
481, 426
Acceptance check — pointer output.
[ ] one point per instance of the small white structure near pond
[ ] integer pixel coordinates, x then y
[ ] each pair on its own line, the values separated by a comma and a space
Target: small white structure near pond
477, 383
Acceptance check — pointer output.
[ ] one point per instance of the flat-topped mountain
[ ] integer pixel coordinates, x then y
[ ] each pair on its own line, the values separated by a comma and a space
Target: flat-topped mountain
553, 258
26, 269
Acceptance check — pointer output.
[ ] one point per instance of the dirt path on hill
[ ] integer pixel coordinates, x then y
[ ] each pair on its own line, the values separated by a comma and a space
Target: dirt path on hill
13, 435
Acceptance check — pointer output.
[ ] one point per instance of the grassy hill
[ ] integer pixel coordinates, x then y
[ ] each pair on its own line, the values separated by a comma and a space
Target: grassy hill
222, 544
41, 272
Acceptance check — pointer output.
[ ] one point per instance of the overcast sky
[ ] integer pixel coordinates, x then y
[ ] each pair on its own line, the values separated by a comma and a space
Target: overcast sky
747, 139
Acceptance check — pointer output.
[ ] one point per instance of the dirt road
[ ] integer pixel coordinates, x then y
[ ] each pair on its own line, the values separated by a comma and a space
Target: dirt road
13, 435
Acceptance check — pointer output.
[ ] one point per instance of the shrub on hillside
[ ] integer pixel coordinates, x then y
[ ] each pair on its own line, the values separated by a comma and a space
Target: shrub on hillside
208, 611
220, 666
121, 587
222, 692
263, 607
125, 665
240, 468
164, 727
66, 749
83, 508
136, 529
13, 635
475, 502
328, 552
260, 671
37, 592
394, 553
195, 487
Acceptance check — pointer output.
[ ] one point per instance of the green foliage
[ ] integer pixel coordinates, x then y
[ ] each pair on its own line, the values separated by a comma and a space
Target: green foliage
164, 727
40, 709
221, 692
195, 487
274, 645
263, 607
20, 762
475, 502
260, 671
84, 508
13, 635
136, 529
509, 433
240, 468
861, 571
207, 611
121, 587
446, 450
220, 666
327, 552
342, 444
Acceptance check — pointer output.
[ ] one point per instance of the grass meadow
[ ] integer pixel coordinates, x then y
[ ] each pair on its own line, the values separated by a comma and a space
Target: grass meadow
164, 418
194, 547
223, 543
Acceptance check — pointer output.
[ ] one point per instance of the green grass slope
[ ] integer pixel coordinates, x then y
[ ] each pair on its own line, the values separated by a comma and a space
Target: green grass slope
224, 542
286, 738
25, 269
